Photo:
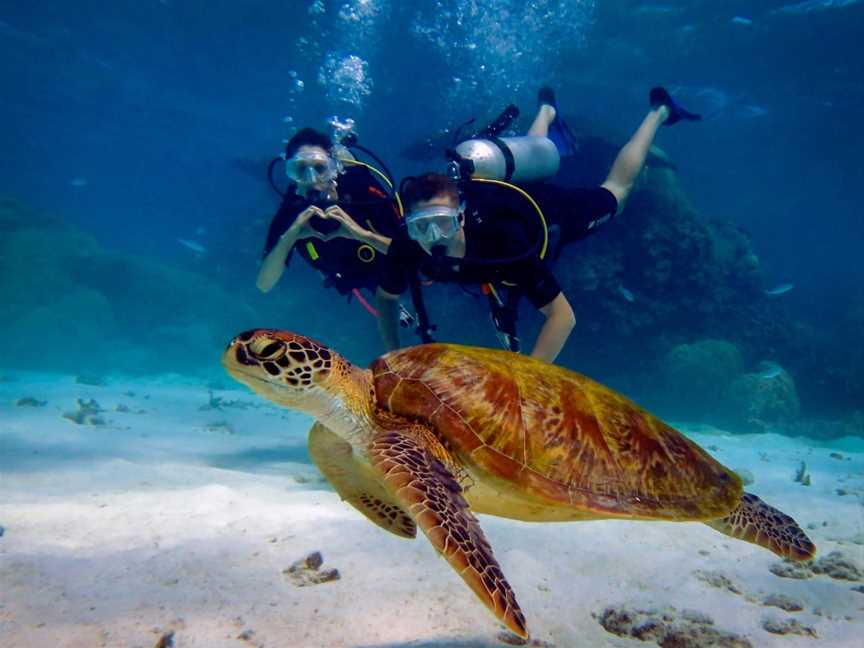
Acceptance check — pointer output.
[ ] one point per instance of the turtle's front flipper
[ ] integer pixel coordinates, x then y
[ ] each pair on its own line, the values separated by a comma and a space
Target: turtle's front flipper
357, 483
434, 498
757, 522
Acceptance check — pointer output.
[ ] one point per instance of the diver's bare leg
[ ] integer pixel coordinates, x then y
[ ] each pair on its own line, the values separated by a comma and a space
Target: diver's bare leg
545, 116
631, 158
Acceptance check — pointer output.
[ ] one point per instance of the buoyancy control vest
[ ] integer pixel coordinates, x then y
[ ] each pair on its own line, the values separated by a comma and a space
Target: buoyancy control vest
347, 264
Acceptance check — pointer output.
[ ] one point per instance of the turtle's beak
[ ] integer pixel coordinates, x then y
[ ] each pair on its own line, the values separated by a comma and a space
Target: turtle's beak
255, 357
235, 353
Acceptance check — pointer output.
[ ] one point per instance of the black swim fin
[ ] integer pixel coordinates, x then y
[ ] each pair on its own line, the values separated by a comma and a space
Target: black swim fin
560, 134
660, 96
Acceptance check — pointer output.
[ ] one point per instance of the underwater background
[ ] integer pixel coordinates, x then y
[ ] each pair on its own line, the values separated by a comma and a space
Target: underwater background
147, 500
131, 127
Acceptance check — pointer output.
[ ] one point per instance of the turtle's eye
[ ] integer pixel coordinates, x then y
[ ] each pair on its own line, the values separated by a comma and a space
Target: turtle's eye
270, 351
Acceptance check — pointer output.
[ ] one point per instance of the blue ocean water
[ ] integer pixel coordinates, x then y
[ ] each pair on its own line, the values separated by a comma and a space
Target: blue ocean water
147, 123
134, 148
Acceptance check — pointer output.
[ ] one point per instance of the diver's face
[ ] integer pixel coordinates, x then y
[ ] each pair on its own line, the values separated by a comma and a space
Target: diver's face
435, 223
312, 168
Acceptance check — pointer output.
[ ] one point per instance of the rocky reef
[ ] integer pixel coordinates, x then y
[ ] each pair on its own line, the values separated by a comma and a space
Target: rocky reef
67, 304
706, 379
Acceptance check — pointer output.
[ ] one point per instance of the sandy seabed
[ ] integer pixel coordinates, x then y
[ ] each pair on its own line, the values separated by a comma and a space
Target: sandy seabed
166, 508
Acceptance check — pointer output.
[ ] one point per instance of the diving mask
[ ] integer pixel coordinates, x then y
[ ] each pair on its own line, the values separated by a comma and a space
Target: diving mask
433, 224
311, 168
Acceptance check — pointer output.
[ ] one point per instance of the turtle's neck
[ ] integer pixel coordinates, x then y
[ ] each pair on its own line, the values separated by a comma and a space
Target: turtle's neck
347, 410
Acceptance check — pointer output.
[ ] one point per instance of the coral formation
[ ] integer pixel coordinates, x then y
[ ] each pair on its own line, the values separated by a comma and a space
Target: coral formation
783, 602
835, 564
756, 402
87, 413
838, 566
699, 375
779, 626
101, 310
307, 571
666, 627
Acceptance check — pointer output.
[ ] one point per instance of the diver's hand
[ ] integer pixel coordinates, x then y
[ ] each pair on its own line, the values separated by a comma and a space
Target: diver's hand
301, 227
348, 227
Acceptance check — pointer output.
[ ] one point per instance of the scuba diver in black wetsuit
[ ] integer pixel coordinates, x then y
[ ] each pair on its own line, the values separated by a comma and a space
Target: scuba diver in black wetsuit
335, 213
477, 232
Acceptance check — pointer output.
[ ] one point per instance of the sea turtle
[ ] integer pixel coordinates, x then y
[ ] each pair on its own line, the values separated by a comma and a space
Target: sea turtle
430, 435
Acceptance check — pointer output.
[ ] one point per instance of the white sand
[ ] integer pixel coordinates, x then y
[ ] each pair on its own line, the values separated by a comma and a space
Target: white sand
115, 534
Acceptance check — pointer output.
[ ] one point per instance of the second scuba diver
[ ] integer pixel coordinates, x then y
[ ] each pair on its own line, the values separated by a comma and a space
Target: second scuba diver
335, 214
476, 233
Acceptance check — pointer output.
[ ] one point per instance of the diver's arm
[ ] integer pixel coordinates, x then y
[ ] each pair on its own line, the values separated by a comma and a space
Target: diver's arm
388, 318
560, 320
350, 229
377, 241
274, 263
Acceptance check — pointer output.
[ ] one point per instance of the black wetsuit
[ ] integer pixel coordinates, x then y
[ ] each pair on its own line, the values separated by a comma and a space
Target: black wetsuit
345, 263
502, 236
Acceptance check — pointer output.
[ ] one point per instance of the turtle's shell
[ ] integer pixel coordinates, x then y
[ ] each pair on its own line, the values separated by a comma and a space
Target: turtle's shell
553, 434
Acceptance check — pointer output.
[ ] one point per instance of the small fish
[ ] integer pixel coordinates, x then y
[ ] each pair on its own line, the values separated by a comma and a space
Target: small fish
708, 100
626, 294
78, 183
769, 370
741, 20
810, 6
782, 289
193, 245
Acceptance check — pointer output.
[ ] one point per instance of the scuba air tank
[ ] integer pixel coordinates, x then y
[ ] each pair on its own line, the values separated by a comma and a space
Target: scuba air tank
513, 159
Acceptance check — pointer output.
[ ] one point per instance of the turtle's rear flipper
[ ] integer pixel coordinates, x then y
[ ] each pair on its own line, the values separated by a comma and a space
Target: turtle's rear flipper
757, 522
429, 491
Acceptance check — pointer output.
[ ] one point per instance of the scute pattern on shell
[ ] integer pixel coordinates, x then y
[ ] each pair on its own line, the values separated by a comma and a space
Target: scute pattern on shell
554, 434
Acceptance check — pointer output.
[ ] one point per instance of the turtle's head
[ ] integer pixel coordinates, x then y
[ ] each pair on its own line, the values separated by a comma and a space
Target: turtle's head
289, 369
